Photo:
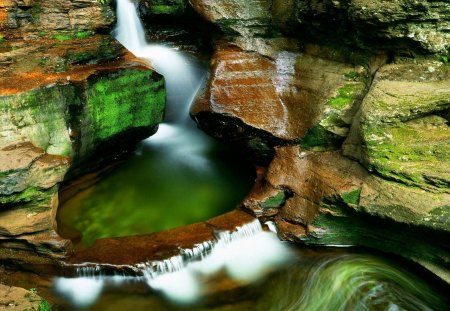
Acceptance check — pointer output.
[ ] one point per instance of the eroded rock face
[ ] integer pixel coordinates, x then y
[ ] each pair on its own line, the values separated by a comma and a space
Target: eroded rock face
258, 101
64, 119
324, 198
402, 132
16, 298
399, 24
359, 140
39, 17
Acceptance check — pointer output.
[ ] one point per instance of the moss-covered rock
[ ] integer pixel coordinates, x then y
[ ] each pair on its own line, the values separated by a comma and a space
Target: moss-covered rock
53, 123
164, 7
236, 17
300, 98
400, 133
336, 201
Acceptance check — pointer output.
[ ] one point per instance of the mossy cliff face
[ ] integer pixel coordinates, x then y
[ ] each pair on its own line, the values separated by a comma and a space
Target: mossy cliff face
45, 18
53, 123
352, 130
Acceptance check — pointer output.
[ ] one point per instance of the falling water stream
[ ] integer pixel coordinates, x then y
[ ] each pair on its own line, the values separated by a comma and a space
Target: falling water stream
174, 173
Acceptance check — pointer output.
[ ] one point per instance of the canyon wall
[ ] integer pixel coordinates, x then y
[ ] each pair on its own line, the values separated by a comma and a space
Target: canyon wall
345, 105
71, 101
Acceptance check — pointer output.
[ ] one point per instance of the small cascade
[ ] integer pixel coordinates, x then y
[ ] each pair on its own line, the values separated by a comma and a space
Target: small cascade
245, 253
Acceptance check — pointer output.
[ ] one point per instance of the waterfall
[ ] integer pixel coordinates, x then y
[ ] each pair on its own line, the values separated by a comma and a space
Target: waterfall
245, 253
183, 75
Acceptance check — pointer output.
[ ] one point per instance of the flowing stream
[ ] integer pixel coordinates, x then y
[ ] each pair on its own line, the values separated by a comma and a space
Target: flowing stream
176, 177
244, 269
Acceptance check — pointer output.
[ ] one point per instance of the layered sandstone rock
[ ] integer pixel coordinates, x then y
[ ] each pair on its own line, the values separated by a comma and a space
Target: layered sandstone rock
72, 108
258, 101
398, 25
357, 141
16, 298
38, 17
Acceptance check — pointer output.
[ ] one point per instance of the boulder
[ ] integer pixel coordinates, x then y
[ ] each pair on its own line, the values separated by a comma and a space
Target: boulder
324, 198
283, 97
402, 133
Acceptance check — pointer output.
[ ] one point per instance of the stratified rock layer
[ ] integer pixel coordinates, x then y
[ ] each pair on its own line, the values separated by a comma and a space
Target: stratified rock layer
266, 97
71, 118
356, 139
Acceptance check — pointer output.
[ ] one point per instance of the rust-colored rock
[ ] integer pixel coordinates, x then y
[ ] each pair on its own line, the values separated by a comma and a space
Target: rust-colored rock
281, 99
158, 246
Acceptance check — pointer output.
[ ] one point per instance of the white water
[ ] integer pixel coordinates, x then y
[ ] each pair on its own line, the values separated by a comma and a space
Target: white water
184, 76
245, 254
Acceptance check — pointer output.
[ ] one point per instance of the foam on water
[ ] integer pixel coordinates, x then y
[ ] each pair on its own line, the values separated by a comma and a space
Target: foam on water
246, 254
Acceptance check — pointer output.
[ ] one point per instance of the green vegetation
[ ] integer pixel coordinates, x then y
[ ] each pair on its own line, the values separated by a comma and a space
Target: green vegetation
82, 35
44, 306
414, 152
445, 59
115, 100
275, 201
352, 75
2, 38
352, 197
36, 11
61, 37
173, 7
346, 95
318, 138
42, 33
42, 61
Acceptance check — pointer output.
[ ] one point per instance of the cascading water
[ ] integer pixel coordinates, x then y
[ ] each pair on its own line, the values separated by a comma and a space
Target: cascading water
183, 77
246, 254
187, 175
323, 282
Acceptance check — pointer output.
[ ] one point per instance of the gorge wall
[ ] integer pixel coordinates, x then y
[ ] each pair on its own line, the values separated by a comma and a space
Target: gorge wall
342, 104
71, 101
346, 103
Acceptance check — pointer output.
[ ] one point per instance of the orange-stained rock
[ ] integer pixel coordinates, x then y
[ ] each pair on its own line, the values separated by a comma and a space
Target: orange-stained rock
132, 250
280, 98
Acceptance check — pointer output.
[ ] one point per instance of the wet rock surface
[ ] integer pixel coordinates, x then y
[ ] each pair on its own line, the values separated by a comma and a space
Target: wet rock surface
157, 246
256, 100
69, 111
46, 18
16, 298
352, 139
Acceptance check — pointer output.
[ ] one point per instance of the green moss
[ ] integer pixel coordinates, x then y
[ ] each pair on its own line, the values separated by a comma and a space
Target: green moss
318, 138
36, 11
31, 194
62, 37
83, 34
439, 215
346, 95
40, 115
44, 306
275, 201
128, 99
352, 197
2, 38
42, 33
42, 61
414, 152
